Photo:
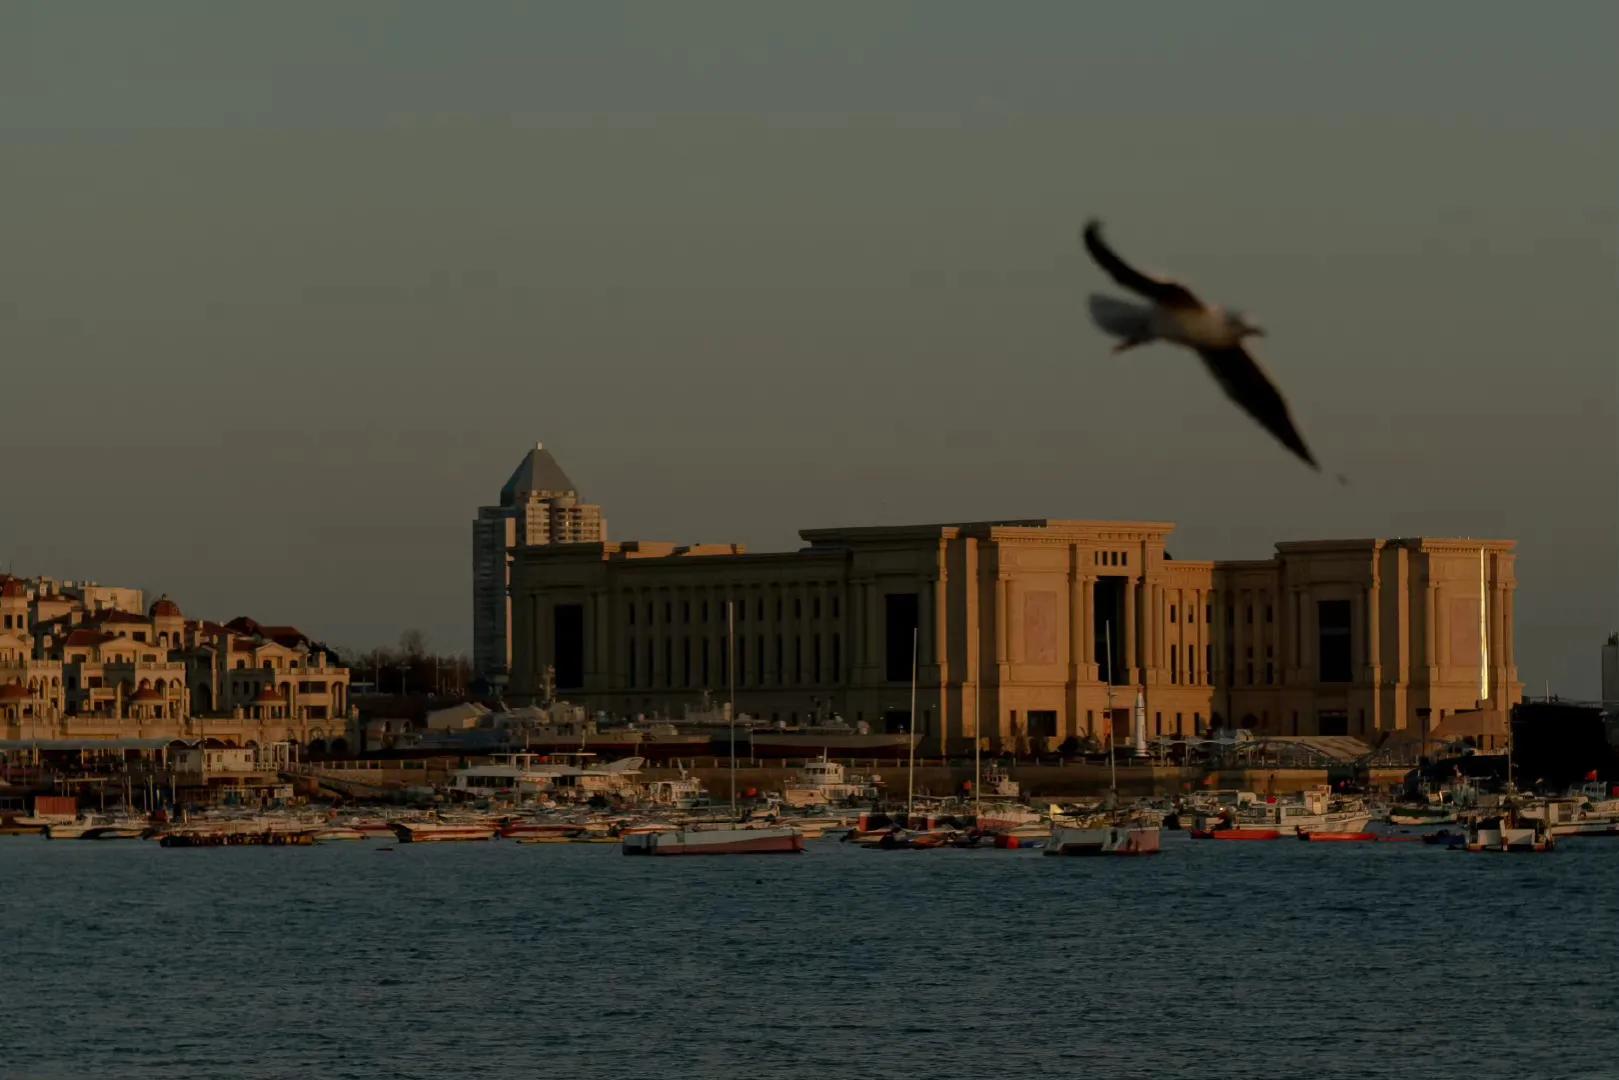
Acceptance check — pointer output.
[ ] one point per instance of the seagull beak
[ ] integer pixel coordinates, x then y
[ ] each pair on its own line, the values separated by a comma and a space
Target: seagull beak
1257, 331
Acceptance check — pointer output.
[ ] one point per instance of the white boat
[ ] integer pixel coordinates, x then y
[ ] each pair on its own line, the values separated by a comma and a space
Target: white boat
998, 784
1508, 834
1587, 812
685, 793
1007, 817
826, 783
533, 775
422, 832
337, 832
1311, 813
96, 827
1102, 837
713, 841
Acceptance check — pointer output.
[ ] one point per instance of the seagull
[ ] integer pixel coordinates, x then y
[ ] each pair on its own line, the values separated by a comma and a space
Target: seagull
1176, 314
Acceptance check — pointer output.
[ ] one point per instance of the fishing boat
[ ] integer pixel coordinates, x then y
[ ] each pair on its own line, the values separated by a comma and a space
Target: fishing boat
333, 833
422, 832
1101, 837
696, 840
529, 830
1313, 812
1235, 834
1337, 837
1508, 832
826, 783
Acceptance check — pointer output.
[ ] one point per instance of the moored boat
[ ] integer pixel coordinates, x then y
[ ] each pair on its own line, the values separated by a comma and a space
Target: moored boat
713, 841
421, 832
1102, 839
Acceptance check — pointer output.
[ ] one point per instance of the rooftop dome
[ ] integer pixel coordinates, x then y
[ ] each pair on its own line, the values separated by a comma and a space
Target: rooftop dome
268, 696
12, 587
146, 693
14, 692
164, 608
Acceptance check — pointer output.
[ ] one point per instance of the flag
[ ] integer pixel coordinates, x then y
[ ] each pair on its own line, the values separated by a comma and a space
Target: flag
1592, 775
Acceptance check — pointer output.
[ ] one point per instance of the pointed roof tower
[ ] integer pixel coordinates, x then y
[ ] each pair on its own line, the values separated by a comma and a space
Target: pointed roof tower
537, 472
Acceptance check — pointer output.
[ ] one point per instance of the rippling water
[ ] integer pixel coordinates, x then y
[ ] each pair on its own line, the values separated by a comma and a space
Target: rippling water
1211, 960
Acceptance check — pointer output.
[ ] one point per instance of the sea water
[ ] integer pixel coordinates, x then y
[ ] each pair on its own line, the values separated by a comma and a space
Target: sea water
368, 960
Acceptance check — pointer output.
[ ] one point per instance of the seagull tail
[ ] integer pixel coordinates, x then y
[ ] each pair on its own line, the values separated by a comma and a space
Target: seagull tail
1122, 319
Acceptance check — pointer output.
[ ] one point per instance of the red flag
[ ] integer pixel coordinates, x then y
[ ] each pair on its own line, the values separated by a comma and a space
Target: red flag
1592, 775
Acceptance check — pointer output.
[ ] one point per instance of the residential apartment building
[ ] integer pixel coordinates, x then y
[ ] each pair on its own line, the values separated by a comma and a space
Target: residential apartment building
72, 670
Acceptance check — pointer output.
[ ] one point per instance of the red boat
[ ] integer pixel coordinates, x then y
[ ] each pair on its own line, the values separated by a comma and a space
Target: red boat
1342, 837
1234, 834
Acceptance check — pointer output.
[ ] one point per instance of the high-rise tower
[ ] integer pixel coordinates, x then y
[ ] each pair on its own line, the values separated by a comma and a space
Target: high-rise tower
538, 505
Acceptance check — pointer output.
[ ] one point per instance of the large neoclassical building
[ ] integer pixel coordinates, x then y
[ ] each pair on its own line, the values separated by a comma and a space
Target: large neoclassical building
1024, 624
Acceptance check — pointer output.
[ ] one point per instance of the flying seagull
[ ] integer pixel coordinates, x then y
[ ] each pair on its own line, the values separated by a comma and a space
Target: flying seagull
1175, 314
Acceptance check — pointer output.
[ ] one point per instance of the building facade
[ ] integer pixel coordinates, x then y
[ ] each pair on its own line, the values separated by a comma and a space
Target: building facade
538, 505
1027, 632
73, 667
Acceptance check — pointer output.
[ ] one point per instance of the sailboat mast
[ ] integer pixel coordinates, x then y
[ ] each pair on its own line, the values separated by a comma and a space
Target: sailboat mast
1112, 768
910, 778
730, 674
1483, 632
978, 745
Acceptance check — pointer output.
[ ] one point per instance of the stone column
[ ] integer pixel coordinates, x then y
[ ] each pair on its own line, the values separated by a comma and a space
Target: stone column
1076, 628
1430, 627
941, 625
1442, 658
1509, 646
1374, 636
1498, 628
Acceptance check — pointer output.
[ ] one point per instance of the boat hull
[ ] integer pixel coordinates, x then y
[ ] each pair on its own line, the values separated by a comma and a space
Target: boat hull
439, 834
715, 842
1106, 840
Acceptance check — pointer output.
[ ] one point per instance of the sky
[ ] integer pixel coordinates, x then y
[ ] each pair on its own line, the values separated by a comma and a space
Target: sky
286, 290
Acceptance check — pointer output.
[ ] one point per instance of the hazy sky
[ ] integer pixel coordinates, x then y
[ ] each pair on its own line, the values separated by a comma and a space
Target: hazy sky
287, 289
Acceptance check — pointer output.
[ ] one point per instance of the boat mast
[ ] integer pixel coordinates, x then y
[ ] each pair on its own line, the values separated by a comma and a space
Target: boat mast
910, 776
1483, 632
978, 742
1112, 769
730, 675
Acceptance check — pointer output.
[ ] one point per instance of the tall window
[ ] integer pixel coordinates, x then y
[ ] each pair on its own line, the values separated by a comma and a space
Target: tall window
1333, 642
568, 630
902, 611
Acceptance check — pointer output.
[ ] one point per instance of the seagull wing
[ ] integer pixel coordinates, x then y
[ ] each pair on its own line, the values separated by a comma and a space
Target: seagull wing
1246, 383
1168, 293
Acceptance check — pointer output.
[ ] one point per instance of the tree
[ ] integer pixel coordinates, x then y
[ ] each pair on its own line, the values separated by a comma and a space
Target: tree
413, 643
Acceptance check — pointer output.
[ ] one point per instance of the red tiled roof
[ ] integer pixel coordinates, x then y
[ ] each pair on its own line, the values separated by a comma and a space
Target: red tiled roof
88, 637
146, 693
269, 696
15, 692
164, 608
12, 587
